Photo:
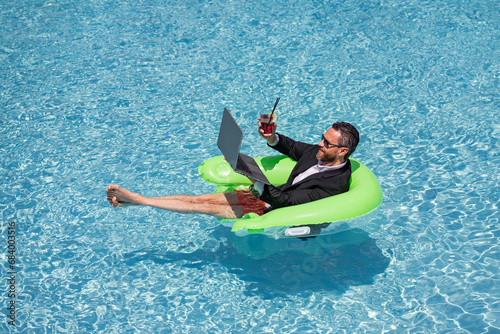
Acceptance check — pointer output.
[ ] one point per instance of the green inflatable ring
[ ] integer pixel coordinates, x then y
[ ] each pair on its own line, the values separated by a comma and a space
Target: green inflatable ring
364, 195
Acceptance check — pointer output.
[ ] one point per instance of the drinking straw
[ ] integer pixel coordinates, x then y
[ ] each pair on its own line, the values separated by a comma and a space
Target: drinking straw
271, 114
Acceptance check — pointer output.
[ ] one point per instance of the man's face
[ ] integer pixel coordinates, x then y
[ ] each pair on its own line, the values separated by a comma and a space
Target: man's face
333, 154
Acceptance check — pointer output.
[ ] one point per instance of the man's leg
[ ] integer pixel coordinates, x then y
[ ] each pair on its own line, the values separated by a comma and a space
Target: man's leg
223, 205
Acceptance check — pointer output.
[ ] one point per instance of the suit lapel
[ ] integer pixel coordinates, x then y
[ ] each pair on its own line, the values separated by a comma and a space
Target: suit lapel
302, 166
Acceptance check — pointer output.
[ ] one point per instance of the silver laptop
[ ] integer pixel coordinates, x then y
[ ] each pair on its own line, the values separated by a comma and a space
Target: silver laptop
229, 143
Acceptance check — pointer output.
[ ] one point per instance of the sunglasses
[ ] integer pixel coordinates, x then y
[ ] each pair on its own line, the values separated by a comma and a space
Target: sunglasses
328, 144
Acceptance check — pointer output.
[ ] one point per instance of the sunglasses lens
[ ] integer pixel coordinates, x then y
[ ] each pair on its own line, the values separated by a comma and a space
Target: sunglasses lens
327, 144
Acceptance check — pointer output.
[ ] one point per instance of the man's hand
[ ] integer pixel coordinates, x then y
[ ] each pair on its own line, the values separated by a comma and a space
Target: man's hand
271, 138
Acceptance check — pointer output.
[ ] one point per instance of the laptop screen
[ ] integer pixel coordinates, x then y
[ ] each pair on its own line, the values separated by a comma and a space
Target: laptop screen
230, 137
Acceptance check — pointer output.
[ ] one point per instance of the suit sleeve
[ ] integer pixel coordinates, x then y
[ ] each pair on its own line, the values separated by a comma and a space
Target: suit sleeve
277, 198
293, 149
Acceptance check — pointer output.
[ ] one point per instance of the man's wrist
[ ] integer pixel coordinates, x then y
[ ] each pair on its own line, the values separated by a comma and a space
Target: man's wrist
257, 188
273, 141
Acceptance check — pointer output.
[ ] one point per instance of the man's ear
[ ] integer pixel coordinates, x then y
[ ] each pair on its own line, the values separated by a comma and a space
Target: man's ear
343, 151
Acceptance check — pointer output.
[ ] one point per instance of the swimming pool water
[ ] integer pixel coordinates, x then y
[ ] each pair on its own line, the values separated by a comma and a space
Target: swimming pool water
100, 92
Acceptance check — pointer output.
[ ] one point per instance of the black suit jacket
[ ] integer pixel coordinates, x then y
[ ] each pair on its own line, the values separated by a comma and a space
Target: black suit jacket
312, 188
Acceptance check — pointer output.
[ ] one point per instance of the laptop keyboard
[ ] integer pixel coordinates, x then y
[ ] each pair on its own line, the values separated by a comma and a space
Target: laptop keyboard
242, 166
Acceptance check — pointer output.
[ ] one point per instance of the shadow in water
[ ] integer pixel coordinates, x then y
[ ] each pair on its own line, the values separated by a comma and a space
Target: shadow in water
333, 262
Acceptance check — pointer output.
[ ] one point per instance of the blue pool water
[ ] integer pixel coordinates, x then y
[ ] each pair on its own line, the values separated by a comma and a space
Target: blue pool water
131, 92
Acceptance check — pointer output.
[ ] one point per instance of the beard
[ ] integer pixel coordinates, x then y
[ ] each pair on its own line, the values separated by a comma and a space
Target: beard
325, 157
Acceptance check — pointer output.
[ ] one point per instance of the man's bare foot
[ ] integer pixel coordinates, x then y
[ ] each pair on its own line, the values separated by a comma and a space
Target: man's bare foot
118, 196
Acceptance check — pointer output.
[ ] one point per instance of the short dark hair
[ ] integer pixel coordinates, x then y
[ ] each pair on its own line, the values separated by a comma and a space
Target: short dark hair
349, 136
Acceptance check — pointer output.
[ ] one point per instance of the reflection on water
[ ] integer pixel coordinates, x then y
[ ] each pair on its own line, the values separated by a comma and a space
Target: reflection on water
272, 267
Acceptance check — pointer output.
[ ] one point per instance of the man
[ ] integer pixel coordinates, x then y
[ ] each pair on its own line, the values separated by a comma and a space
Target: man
321, 171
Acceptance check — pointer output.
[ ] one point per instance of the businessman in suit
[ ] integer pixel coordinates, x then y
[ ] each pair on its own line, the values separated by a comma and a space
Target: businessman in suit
321, 171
